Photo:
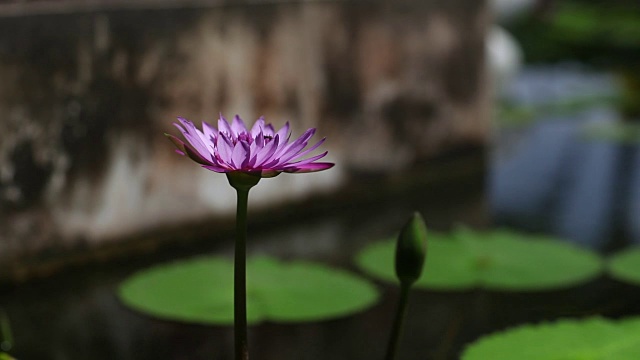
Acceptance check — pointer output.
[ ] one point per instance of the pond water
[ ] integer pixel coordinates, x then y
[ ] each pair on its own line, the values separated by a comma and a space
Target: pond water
543, 176
562, 173
77, 315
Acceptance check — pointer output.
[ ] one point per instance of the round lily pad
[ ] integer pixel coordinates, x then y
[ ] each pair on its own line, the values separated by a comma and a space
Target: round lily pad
201, 291
498, 260
625, 266
592, 338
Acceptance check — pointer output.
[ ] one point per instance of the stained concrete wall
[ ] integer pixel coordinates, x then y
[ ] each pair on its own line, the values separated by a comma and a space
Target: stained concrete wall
87, 89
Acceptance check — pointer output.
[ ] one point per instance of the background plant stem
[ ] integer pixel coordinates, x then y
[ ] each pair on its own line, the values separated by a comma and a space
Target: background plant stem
396, 331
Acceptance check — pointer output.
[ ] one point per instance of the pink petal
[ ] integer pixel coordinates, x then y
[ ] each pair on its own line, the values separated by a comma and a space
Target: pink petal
259, 139
254, 148
265, 154
257, 127
239, 155
292, 150
297, 145
310, 167
309, 160
195, 156
225, 149
192, 135
237, 125
284, 131
223, 126
191, 128
198, 146
209, 131
215, 168
177, 142
269, 131
299, 155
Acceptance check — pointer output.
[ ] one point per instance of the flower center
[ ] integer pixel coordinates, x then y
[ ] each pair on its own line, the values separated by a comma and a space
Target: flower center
245, 137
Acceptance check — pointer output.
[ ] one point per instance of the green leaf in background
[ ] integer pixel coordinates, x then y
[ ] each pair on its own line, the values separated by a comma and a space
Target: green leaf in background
625, 266
514, 115
498, 260
587, 24
4, 356
589, 339
618, 132
201, 291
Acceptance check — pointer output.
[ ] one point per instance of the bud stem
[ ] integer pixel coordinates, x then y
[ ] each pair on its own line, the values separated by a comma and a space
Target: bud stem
401, 312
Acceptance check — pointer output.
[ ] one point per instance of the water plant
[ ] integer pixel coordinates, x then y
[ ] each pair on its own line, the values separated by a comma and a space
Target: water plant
268, 289
625, 265
497, 260
200, 291
410, 254
590, 338
246, 156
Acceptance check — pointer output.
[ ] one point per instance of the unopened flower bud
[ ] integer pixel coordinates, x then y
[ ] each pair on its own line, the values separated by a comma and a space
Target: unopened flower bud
411, 250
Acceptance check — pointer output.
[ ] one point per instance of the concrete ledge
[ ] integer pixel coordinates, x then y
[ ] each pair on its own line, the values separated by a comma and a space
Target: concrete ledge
86, 94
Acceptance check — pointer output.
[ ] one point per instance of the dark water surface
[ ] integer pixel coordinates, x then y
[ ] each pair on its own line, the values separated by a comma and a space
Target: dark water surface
77, 316
542, 177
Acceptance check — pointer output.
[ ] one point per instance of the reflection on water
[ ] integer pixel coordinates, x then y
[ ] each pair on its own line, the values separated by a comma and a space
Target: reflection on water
550, 176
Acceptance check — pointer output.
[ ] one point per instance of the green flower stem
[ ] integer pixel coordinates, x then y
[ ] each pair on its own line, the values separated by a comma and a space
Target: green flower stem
401, 312
242, 182
240, 278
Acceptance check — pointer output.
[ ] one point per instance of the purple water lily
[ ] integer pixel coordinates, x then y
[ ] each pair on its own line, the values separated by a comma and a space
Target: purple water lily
260, 151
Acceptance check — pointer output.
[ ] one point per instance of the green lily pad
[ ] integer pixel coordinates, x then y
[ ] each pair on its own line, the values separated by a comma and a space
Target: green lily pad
498, 260
201, 291
589, 339
625, 266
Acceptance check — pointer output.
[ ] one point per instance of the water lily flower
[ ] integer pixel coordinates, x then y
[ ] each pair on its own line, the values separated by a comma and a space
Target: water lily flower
246, 156
261, 151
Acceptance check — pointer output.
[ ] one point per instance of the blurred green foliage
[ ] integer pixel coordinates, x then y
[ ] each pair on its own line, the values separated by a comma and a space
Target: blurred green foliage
625, 266
514, 115
200, 290
624, 133
498, 260
588, 339
600, 33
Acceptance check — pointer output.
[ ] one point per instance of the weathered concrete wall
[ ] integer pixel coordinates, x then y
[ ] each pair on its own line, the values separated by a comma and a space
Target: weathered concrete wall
85, 97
